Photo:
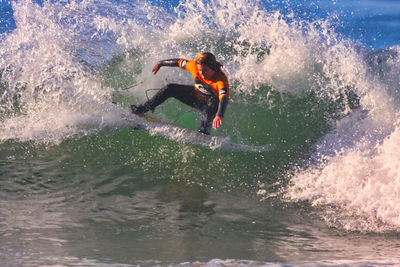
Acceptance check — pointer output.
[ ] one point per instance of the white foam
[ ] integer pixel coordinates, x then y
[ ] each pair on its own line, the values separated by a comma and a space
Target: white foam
353, 173
361, 185
54, 56
45, 72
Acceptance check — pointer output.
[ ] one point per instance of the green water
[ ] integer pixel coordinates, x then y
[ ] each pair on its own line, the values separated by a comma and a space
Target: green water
122, 197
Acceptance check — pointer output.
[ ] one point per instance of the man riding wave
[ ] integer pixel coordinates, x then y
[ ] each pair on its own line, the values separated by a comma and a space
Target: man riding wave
209, 94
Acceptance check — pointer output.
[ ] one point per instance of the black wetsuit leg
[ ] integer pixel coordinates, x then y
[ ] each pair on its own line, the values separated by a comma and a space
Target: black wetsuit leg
209, 109
184, 93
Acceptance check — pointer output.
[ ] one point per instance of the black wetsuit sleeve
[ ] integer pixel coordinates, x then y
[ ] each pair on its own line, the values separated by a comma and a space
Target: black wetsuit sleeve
173, 62
223, 103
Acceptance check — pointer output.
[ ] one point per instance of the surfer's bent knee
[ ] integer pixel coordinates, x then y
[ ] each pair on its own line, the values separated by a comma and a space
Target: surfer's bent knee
170, 86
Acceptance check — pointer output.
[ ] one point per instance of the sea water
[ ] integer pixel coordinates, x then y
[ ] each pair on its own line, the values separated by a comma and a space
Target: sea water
315, 82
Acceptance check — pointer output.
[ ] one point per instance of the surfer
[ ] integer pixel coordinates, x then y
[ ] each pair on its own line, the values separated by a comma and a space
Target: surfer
209, 94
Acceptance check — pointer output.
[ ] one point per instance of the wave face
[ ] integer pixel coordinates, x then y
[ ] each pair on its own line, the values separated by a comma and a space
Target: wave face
313, 122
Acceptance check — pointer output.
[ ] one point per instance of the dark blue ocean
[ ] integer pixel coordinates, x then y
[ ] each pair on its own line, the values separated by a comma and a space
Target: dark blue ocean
303, 172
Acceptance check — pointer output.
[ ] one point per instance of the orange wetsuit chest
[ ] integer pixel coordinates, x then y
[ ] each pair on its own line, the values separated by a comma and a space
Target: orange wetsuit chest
218, 87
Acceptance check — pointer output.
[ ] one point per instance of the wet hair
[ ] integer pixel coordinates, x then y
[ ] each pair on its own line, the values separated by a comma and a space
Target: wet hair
208, 59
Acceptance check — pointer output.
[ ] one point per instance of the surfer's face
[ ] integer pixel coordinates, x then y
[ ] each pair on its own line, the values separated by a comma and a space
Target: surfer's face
205, 72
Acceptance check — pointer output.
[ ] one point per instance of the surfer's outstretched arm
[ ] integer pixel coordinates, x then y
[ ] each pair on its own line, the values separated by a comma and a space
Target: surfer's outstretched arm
173, 62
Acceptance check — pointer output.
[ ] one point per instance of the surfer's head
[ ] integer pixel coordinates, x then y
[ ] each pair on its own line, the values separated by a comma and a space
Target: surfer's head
207, 65
208, 59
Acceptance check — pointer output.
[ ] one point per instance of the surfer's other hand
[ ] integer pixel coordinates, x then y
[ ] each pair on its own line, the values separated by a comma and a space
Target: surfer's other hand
217, 122
156, 68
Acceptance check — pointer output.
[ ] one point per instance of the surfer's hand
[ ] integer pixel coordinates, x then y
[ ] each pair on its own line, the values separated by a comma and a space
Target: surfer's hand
156, 68
217, 122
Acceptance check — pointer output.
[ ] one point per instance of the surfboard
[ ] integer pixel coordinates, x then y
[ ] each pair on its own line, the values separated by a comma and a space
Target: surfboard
182, 134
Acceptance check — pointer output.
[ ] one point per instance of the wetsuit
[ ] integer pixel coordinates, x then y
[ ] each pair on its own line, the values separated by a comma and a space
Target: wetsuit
209, 96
